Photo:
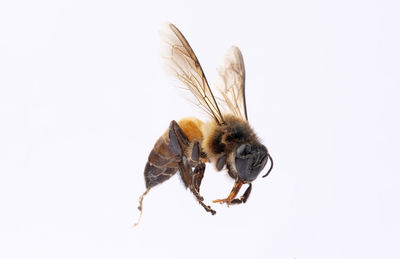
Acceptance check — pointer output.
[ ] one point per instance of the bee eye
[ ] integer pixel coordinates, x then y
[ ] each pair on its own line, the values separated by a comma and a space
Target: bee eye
243, 150
250, 160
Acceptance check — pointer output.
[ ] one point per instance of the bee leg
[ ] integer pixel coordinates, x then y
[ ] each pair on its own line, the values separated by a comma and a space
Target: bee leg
198, 174
185, 170
195, 179
244, 197
232, 195
196, 152
178, 140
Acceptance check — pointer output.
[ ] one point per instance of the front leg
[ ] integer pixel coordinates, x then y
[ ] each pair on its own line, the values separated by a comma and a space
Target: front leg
244, 197
232, 195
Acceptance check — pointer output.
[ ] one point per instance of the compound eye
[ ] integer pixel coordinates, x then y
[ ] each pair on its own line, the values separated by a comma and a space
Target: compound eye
243, 150
242, 167
250, 160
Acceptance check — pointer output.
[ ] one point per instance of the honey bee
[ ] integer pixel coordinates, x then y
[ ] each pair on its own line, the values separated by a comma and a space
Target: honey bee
227, 140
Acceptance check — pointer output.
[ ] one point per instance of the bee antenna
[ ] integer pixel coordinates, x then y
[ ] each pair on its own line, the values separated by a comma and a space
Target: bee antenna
272, 165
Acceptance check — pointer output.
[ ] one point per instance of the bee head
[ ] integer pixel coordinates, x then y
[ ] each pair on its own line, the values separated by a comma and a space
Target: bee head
250, 160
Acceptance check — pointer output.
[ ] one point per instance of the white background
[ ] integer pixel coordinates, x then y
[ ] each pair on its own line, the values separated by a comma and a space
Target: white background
83, 98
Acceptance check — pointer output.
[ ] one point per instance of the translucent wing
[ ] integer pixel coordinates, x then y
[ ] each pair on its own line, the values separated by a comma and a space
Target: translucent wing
184, 65
231, 86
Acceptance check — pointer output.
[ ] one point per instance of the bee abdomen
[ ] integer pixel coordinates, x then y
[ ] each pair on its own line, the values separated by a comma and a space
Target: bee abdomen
155, 175
161, 164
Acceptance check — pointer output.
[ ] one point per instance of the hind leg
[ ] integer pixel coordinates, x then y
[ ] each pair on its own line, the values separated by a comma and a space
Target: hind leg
163, 160
198, 174
192, 179
195, 180
169, 155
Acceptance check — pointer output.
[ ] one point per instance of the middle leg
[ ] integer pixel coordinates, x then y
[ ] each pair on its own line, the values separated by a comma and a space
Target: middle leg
195, 186
192, 179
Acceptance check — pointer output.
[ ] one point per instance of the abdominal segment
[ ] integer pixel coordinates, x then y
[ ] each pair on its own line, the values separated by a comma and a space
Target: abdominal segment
162, 162
155, 175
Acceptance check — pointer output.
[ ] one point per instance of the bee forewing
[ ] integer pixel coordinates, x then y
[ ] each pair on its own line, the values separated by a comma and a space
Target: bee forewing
182, 63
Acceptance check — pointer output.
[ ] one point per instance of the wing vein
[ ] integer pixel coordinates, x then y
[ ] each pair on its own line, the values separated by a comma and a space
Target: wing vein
232, 83
182, 61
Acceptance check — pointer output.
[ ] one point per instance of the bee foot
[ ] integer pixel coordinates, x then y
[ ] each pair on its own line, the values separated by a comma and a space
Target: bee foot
222, 201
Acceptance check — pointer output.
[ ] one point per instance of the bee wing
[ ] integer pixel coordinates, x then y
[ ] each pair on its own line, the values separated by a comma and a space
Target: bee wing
232, 82
184, 65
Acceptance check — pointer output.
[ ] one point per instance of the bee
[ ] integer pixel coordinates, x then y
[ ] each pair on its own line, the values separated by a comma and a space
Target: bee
227, 140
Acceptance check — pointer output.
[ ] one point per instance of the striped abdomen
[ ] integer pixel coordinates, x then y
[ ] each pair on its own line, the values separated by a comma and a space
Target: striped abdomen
162, 163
